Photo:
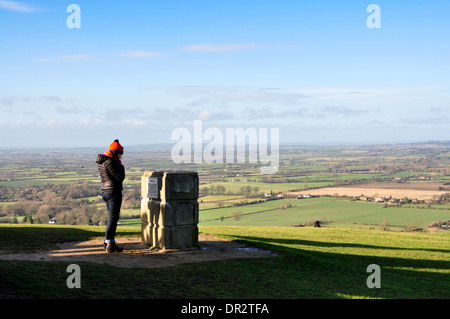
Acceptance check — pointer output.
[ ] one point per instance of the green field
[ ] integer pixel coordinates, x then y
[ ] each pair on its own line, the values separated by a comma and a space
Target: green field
215, 201
312, 263
272, 213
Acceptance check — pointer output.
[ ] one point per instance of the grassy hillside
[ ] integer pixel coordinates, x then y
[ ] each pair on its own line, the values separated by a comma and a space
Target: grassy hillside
313, 263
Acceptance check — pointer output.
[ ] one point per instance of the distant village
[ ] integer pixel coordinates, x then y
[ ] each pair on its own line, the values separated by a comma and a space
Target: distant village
376, 199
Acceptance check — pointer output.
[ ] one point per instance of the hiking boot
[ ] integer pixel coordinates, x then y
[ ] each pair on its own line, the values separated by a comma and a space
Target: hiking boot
113, 248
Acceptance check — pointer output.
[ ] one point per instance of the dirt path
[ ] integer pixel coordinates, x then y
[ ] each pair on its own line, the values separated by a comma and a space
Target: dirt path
137, 255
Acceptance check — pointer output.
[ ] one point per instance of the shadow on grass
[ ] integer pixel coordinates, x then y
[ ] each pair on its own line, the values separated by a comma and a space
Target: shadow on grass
283, 241
29, 238
345, 274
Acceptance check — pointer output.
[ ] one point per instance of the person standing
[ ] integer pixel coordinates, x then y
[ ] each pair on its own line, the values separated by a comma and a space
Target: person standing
112, 174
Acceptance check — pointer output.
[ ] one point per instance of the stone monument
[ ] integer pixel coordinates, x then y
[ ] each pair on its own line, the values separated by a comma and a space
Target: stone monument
169, 209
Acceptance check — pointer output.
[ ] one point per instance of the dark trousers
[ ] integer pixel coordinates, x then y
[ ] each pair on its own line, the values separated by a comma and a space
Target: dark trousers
113, 199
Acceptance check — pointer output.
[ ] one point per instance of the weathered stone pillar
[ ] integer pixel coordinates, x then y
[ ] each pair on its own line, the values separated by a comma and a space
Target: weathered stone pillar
169, 209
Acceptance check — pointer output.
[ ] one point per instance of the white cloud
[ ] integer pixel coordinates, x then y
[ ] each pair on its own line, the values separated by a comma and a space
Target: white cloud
208, 115
204, 115
7, 101
221, 96
49, 122
425, 121
76, 57
67, 58
136, 122
296, 113
142, 54
72, 110
222, 47
92, 121
364, 95
343, 110
192, 90
16, 6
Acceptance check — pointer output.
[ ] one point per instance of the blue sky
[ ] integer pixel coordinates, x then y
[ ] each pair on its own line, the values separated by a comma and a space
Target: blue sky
136, 70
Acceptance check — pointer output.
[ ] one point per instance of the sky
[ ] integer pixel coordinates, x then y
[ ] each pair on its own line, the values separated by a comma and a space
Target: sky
137, 70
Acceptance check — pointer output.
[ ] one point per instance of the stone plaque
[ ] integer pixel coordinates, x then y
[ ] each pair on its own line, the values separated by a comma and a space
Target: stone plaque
152, 187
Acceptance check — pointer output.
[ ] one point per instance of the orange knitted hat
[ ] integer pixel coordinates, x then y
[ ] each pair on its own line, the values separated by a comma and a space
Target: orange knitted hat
115, 148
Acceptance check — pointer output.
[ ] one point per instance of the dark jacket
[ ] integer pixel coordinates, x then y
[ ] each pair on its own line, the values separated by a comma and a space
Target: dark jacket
112, 172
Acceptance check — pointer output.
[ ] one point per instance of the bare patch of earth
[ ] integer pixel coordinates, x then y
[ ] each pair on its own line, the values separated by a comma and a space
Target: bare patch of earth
138, 255
426, 186
420, 191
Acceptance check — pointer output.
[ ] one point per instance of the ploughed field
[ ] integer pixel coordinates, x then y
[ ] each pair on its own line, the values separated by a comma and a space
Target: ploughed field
420, 191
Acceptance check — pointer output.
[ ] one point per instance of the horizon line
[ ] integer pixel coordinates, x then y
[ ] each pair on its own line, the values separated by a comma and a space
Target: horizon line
286, 144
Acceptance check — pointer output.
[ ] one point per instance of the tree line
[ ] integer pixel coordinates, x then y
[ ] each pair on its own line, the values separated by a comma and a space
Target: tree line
220, 190
77, 203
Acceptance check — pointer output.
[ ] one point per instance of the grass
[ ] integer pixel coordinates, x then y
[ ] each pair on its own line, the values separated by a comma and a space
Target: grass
313, 263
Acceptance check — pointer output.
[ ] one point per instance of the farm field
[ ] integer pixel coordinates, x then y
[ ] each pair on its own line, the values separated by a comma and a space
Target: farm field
291, 212
234, 187
420, 191
214, 201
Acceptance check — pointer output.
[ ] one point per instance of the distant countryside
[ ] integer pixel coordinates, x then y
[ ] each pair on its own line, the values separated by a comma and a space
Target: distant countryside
402, 187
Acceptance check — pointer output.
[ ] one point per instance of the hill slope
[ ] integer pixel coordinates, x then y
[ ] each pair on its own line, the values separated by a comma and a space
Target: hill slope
313, 263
